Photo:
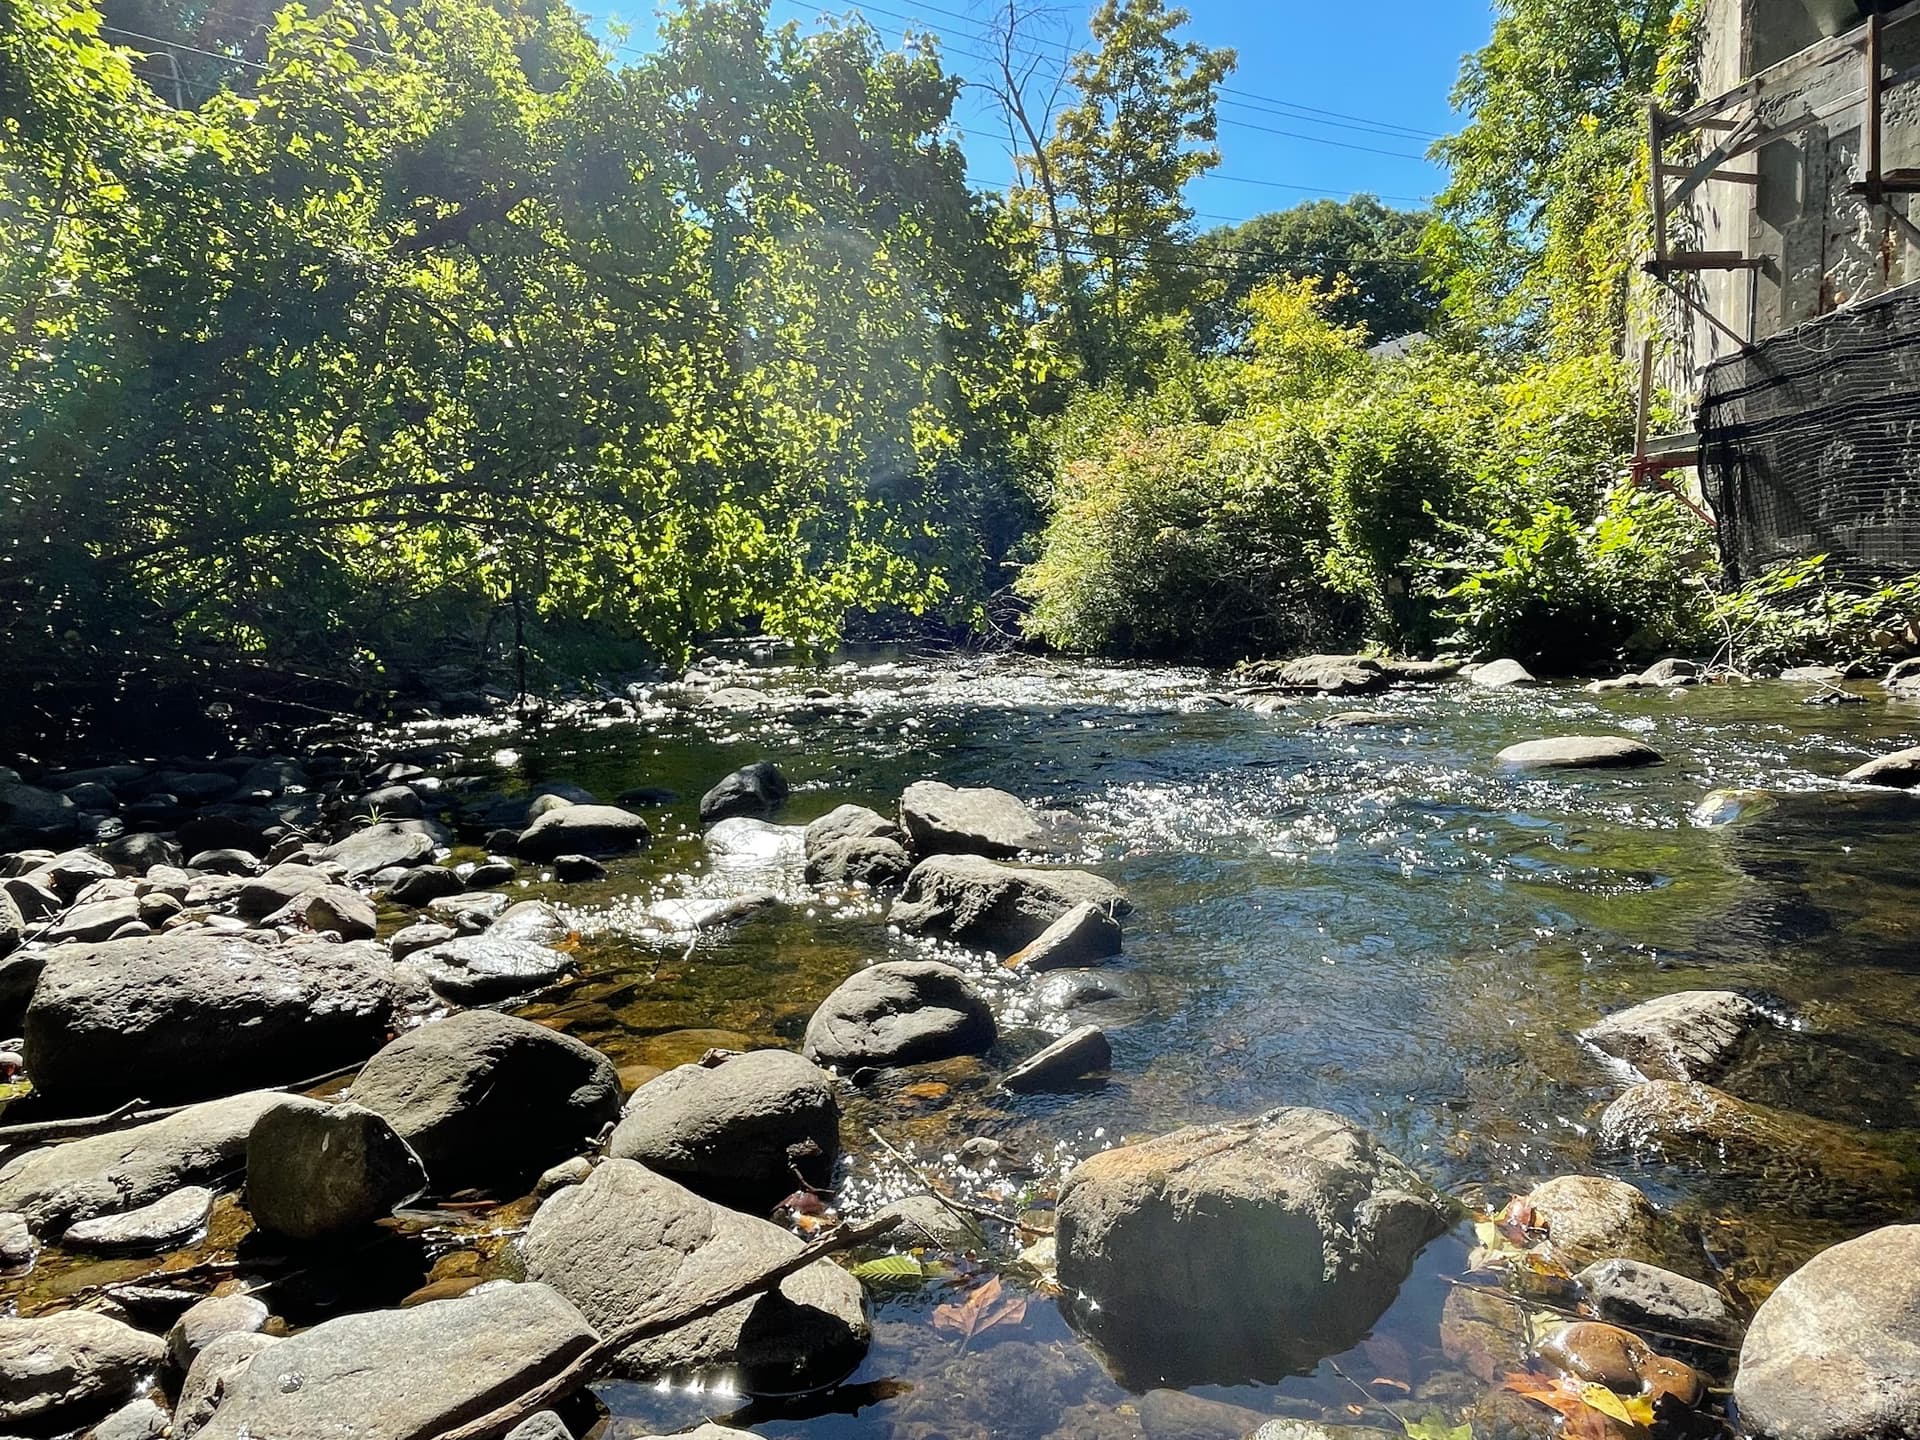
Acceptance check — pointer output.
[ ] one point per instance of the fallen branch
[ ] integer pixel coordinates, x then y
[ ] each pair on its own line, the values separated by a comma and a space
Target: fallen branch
588, 1365
959, 1209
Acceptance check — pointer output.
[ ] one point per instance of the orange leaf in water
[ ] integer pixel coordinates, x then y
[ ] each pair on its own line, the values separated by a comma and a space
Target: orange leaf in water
984, 1307
1570, 1399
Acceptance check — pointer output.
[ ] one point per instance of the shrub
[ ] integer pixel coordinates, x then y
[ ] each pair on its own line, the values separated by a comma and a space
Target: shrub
1805, 610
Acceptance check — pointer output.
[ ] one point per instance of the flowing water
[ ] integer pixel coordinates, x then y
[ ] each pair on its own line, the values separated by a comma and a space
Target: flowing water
1379, 921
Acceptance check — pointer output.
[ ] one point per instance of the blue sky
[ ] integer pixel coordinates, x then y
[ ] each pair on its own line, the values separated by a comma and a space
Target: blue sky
1345, 81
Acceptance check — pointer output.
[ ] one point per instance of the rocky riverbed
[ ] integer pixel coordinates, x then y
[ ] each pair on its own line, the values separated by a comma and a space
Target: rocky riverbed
1226, 1057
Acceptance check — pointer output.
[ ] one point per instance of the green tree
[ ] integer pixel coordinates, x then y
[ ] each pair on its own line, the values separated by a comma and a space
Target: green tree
1111, 186
1376, 249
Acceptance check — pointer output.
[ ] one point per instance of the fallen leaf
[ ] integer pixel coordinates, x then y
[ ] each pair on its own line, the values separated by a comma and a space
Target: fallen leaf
984, 1307
1433, 1426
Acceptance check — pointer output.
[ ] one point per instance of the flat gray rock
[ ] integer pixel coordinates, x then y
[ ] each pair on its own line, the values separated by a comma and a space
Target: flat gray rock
1689, 1035
1834, 1353
899, 1012
169, 1221
1083, 935
597, 830
1082, 1051
388, 845
403, 1374
71, 1367
315, 1170
95, 921
195, 1012
102, 1174
327, 910
976, 901
543, 1425
743, 1132
477, 969
943, 820
1580, 752
1900, 770
1637, 1296
629, 1242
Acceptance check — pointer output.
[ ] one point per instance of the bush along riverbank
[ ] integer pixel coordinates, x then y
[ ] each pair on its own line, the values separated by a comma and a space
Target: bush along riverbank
276, 1071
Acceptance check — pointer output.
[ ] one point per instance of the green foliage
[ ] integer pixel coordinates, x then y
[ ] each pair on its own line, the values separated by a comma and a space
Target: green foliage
1804, 611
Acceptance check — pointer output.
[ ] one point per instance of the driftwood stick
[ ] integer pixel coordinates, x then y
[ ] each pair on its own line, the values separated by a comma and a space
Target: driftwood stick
960, 1209
592, 1361
136, 1112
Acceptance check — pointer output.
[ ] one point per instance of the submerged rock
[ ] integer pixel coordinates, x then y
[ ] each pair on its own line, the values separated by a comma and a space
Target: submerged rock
489, 1099
976, 901
403, 1374
106, 1174
941, 819
65, 1369
1599, 1354
1224, 1253
192, 1013
1594, 1217
899, 1012
756, 789
595, 830
315, 1169
629, 1242
1646, 1297
1689, 1035
1580, 752
1834, 1353
1900, 770
1083, 935
744, 1132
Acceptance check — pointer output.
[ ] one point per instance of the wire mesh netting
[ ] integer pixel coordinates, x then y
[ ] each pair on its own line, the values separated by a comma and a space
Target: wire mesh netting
1810, 442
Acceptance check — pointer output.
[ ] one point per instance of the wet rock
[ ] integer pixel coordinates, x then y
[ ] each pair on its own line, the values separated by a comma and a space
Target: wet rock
1606, 1355
104, 1174
1232, 1252
1689, 1035
225, 1358
476, 969
422, 935
1176, 1415
1083, 935
743, 1132
1500, 674
142, 1419
391, 1374
1484, 1333
1324, 674
975, 901
491, 872
899, 1012
170, 1221
583, 830
1308, 1430
72, 1367
424, 883
629, 1242
1593, 1217
100, 920
264, 894
1900, 770
487, 1099
1065, 989
315, 1170
742, 843
1738, 1143
577, 869
207, 1320
942, 820
1357, 719
693, 913
858, 862
194, 1012
756, 789
327, 910
924, 1221
1834, 1353
1580, 752
388, 845
1646, 1297
1080, 1052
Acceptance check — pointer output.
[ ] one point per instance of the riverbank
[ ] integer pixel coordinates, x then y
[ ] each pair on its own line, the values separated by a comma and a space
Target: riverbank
1370, 917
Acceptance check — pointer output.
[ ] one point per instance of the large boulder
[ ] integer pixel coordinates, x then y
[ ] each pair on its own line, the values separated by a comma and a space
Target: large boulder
629, 1243
743, 1132
1733, 1143
756, 789
106, 1174
1224, 1253
195, 1012
388, 845
489, 1100
583, 830
899, 1012
943, 820
1689, 1035
315, 1170
1580, 752
1834, 1353
403, 1374
66, 1369
975, 901
1901, 769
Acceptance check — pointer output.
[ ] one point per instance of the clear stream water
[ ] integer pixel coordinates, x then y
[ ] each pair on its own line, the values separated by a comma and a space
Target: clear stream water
1379, 921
